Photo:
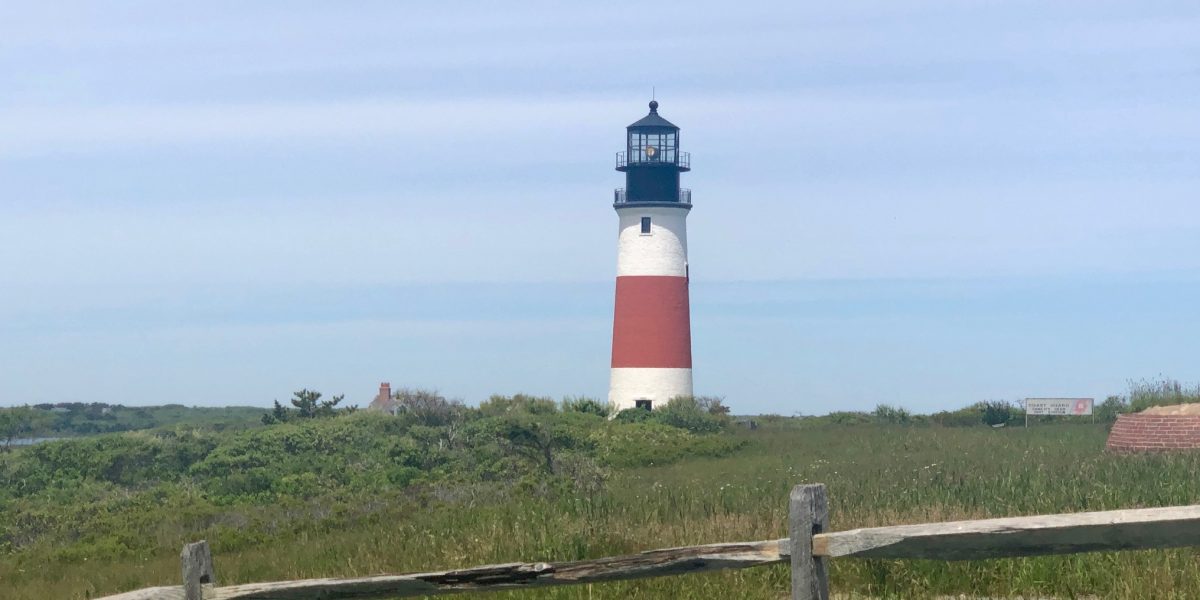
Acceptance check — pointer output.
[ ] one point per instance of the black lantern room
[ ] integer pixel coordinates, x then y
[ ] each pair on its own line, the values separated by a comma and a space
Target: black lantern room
652, 163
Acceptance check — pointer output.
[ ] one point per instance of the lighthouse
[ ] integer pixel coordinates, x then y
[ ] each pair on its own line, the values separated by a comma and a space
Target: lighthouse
652, 336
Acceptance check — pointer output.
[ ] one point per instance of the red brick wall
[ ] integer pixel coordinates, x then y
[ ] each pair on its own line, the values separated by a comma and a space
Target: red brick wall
1154, 433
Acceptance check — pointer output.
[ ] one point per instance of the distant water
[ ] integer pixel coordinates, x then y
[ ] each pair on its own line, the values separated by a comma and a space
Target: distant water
32, 441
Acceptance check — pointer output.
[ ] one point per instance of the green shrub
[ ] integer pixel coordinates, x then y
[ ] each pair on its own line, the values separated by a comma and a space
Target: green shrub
625, 444
697, 414
1107, 411
121, 495
691, 413
583, 404
892, 415
997, 412
428, 408
850, 418
498, 405
635, 415
956, 418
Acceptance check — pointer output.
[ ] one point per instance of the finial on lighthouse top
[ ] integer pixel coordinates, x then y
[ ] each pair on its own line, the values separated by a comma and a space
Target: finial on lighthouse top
653, 120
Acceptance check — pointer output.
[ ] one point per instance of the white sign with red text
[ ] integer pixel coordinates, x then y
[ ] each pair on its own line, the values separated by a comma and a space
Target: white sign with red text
1067, 407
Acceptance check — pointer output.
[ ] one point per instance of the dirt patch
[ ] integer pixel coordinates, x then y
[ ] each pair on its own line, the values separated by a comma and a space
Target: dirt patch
1177, 409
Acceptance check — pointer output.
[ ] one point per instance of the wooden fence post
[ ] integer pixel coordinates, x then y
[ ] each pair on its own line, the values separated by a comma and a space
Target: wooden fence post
197, 569
808, 515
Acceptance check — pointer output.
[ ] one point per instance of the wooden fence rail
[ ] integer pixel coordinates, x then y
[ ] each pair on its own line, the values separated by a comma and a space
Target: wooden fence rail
807, 548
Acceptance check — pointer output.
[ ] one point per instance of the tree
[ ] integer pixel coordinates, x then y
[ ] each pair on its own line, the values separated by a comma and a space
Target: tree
428, 408
308, 405
539, 438
15, 423
714, 405
278, 414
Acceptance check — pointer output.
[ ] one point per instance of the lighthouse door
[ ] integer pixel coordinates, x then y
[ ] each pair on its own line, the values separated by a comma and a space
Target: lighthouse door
642, 404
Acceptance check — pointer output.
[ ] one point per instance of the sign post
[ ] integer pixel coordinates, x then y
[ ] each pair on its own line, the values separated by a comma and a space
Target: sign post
1062, 407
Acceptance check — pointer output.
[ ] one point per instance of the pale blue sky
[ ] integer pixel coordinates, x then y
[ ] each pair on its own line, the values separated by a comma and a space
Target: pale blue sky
921, 203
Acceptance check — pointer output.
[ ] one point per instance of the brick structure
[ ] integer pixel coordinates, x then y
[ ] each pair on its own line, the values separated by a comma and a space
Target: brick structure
1144, 432
384, 402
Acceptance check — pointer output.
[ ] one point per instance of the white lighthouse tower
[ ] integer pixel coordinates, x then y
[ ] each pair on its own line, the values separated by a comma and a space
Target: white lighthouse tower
652, 337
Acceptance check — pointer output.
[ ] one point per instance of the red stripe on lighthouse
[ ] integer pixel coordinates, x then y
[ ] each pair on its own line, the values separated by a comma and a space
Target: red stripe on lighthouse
652, 327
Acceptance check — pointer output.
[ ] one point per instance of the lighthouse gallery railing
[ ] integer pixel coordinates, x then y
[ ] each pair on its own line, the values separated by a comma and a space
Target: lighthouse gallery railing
684, 160
685, 196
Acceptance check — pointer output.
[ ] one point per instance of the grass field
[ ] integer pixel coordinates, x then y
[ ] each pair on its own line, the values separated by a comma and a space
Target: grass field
876, 476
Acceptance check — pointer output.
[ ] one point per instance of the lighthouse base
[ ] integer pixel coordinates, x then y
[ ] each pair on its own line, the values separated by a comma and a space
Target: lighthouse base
657, 386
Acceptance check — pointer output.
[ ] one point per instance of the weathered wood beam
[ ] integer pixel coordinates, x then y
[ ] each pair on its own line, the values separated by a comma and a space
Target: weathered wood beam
962, 540
655, 563
808, 514
170, 592
1021, 536
197, 565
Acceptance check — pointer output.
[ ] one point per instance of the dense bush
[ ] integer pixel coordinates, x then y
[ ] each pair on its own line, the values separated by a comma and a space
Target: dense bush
997, 412
99, 494
850, 418
1107, 411
697, 414
587, 405
888, 475
16, 422
66, 419
991, 412
892, 415
519, 403
635, 415
963, 417
626, 444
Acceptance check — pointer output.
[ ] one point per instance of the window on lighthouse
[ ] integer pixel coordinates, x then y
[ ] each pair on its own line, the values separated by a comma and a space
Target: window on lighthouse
645, 225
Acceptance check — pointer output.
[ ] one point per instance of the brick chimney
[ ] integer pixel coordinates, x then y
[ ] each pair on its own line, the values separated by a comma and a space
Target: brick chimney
383, 401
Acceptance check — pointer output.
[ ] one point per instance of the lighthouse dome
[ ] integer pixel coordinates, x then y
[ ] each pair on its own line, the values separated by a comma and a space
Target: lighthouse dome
653, 120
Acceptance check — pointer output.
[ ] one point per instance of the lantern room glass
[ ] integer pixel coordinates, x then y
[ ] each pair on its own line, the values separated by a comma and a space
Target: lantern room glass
653, 147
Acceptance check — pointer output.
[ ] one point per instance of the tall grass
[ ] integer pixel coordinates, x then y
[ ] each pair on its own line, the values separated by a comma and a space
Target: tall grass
876, 476
1146, 393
